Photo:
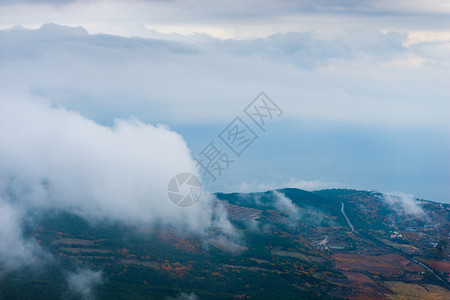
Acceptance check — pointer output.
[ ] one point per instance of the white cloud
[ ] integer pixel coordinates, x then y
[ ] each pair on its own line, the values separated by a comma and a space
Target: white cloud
328, 75
408, 61
308, 185
15, 250
223, 235
404, 204
279, 201
53, 158
420, 36
284, 204
83, 281
185, 296
232, 19
411, 6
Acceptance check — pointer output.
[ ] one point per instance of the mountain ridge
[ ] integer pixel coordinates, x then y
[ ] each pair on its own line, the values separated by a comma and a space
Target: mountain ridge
286, 243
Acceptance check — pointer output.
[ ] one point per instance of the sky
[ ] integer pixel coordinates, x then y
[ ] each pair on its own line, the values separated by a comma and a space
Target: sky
115, 97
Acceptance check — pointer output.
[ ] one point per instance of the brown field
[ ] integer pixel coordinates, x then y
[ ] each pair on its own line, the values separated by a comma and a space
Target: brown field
297, 255
388, 265
363, 287
239, 212
86, 250
403, 247
414, 291
66, 241
439, 265
90, 257
254, 269
228, 246
151, 264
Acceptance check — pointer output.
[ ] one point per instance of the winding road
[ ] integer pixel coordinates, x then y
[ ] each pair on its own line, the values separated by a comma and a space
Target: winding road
348, 220
408, 257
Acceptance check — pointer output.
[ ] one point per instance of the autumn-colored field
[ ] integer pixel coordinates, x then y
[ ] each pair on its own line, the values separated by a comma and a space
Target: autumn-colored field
403, 247
86, 250
364, 287
70, 242
388, 265
439, 265
297, 255
404, 291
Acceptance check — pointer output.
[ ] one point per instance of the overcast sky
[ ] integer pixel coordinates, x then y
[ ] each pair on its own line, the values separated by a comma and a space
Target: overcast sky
363, 86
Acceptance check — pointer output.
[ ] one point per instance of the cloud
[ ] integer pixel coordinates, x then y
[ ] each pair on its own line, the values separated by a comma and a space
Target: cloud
308, 185
309, 50
55, 159
328, 75
404, 204
233, 19
285, 205
223, 234
52, 157
226, 244
185, 296
352, 80
200, 12
308, 215
410, 6
15, 250
34, 2
83, 281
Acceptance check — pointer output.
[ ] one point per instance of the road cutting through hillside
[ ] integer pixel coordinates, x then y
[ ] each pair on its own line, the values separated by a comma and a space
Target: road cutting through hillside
408, 257
348, 221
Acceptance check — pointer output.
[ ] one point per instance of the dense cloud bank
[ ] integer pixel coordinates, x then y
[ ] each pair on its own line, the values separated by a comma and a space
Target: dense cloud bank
328, 75
55, 159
